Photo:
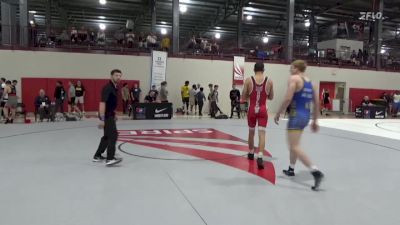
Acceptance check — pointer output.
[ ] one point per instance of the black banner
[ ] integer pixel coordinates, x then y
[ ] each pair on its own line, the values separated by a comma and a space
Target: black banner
152, 111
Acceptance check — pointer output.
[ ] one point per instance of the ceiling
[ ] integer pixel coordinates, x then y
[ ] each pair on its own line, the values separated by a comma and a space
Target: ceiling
206, 17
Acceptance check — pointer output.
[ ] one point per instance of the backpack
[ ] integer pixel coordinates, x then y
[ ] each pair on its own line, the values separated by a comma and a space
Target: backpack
221, 116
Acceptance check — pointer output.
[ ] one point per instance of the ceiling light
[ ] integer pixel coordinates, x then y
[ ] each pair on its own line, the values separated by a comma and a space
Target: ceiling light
265, 39
163, 31
32, 22
217, 28
163, 22
102, 26
32, 12
217, 35
102, 2
249, 17
398, 32
383, 51
183, 8
102, 17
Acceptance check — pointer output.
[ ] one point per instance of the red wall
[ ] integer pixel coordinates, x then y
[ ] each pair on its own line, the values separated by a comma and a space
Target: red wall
356, 95
331, 86
30, 90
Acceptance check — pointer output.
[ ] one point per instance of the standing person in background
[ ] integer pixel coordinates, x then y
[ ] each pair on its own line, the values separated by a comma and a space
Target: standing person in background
71, 97
185, 94
107, 107
125, 98
200, 100
80, 95
135, 93
214, 102
325, 100
163, 92
59, 95
234, 95
210, 87
2, 102
192, 98
11, 99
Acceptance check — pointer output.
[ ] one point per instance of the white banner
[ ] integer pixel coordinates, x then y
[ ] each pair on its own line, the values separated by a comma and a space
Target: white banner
238, 70
158, 68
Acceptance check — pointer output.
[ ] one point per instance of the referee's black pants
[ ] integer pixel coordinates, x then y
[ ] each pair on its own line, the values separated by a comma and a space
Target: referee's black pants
109, 140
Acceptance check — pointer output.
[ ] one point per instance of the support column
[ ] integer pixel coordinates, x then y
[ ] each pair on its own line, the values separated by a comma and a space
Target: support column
23, 23
289, 36
153, 16
378, 37
239, 25
175, 26
8, 23
48, 17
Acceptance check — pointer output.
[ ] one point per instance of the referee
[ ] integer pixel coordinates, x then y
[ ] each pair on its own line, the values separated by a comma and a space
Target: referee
107, 107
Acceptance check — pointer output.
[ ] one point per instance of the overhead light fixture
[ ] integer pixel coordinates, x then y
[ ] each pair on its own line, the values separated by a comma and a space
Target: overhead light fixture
265, 39
398, 32
102, 26
183, 8
184, 1
32, 22
383, 51
217, 35
163, 31
102, 2
218, 28
163, 22
266, 32
33, 12
249, 17
102, 17
308, 44
307, 23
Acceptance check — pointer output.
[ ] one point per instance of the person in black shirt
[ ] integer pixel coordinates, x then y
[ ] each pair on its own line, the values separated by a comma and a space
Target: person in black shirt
80, 95
107, 107
234, 95
151, 97
59, 95
366, 101
135, 93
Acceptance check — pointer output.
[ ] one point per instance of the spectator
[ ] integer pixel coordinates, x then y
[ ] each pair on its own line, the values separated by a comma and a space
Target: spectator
154, 89
353, 57
163, 92
101, 38
2, 102
326, 100
71, 97
130, 39
82, 35
366, 101
42, 104
11, 99
59, 95
151, 97
92, 38
396, 103
192, 43
74, 35
166, 44
142, 41
119, 36
365, 57
151, 41
210, 86
214, 102
234, 95
135, 93
125, 98
185, 94
80, 96
192, 99
359, 57
200, 97
64, 38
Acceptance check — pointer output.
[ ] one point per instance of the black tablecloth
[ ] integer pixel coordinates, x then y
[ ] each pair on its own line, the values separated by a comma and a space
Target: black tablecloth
152, 111
371, 112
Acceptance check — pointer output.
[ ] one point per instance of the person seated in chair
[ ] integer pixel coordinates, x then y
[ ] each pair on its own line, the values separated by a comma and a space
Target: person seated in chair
42, 104
366, 101
151, 97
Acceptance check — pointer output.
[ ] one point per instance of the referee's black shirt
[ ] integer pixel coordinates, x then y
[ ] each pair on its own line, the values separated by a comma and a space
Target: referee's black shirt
109, 95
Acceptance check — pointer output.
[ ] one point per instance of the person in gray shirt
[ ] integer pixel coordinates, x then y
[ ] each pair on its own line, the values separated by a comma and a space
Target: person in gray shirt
163, 92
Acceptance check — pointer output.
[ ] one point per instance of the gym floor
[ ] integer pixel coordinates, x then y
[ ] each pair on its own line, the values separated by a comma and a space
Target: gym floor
190, 171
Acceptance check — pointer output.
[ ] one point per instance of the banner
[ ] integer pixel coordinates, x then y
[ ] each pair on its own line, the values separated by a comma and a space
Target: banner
238, 70
158, 68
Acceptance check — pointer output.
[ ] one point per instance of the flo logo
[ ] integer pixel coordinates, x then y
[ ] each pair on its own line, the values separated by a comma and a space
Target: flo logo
371, 16
207, 144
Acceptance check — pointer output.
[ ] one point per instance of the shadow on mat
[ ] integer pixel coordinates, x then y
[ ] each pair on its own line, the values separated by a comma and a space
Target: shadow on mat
244, 181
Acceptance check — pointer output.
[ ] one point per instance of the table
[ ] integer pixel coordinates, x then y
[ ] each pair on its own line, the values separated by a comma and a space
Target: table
152, 111
371, 112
